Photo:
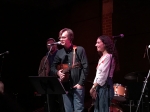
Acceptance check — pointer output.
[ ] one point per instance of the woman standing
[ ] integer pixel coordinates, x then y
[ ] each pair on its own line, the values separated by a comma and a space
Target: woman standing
103, 84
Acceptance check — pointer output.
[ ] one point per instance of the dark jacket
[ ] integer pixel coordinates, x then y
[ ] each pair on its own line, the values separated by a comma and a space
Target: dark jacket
9, 105
65, 56
44, 68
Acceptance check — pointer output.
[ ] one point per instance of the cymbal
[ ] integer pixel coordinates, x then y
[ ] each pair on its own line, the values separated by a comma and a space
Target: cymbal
131, 76
135, 75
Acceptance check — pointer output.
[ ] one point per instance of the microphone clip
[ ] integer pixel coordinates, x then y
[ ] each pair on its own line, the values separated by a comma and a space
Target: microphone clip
7, 52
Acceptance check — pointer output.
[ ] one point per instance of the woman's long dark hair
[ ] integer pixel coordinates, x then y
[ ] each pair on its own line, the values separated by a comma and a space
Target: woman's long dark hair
109, 48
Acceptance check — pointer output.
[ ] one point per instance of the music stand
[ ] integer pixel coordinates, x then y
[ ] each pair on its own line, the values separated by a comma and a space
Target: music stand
47, 85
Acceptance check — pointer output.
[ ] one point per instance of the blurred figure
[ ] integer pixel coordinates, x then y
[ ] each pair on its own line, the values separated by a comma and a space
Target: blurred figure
55, 100
6, 103
1, 87
44, 68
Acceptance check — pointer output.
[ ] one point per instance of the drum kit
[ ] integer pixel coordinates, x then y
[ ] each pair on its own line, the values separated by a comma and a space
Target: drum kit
122, 101
126, 96
120, 92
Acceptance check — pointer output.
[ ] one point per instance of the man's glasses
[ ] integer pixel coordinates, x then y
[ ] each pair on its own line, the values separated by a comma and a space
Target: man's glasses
62, 38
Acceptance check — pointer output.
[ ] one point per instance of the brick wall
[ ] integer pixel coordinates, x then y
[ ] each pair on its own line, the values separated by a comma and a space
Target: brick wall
107, 10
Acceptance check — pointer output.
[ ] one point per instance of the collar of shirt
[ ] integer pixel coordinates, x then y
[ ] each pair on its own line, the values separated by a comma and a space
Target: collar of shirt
69, 49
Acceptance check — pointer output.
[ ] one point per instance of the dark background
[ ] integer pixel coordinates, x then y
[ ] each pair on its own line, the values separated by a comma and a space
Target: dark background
131, 18
26, 25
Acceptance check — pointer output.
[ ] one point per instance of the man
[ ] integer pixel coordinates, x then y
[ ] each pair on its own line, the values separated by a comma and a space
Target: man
56, 104
71, 56
47, 60
1, 87
7, 104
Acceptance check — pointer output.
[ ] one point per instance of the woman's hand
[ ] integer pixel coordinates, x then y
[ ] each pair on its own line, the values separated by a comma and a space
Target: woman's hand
93, 93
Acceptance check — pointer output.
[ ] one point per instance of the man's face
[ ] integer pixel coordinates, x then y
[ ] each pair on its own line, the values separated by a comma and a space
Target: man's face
64, 39
53, 46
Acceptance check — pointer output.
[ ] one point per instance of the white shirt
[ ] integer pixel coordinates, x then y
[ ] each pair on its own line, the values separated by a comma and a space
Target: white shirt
103, 69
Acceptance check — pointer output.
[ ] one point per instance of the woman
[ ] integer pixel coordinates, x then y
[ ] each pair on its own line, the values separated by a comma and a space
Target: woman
103, 84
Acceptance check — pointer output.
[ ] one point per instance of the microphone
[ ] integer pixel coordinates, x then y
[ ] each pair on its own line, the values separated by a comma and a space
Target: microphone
7, 52
56, 43
119, 36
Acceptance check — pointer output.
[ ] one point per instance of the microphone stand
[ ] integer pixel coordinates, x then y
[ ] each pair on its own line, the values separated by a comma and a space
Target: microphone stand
145, 82
47, 95
109, 100
1, 66
46, 59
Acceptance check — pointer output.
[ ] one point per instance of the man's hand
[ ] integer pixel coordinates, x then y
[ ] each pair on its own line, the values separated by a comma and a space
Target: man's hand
60, 74
78, 86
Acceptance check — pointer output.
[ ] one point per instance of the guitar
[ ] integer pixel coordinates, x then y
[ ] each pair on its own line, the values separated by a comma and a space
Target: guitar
66, 68
91, 108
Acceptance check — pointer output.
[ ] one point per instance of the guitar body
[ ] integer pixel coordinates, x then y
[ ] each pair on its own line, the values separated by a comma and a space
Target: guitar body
66, 69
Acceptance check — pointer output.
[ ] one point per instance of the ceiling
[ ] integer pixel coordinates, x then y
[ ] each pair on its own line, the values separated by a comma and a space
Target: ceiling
46, 4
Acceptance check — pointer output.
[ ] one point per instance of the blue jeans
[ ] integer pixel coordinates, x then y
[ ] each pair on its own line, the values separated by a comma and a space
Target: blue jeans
74, 100
105, 94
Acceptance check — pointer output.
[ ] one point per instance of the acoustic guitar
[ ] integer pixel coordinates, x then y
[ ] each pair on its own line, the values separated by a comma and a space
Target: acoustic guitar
66, 68
91, 108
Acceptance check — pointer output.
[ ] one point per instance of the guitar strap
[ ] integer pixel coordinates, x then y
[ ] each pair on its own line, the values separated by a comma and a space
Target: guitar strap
74, 56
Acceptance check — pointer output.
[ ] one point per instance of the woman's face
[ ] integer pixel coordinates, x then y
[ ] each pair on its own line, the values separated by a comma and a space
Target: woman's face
100, 45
